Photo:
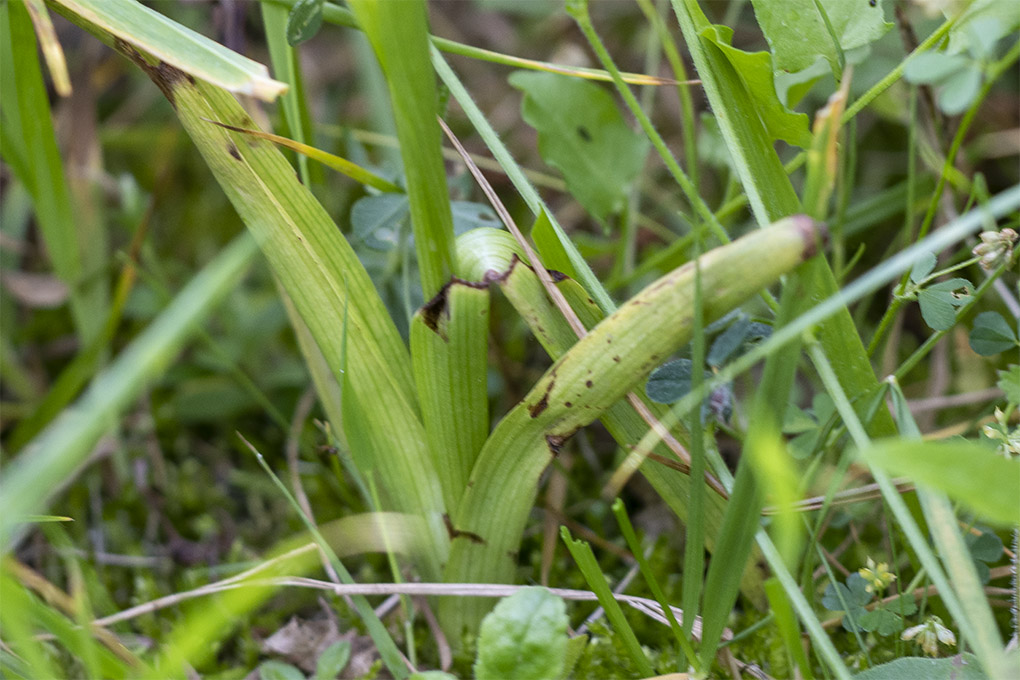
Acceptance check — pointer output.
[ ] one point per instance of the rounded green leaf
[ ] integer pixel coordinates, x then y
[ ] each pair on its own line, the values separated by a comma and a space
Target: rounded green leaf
304, 21
959, 91
937, 309
278, 670
333, 660
524, 637
669, 382
991, 334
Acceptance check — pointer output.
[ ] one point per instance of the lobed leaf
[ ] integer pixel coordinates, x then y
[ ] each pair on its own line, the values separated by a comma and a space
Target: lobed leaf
799, 34
581, 132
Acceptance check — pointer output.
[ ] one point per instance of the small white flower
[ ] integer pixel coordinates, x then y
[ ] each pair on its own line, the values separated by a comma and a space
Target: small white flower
929, 634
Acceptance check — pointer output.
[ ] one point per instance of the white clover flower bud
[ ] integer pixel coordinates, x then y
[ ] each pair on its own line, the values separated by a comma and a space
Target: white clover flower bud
995, 247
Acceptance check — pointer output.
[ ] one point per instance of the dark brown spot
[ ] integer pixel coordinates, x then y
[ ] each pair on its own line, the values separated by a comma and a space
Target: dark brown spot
432, 311
455, 533
616, 359
232, 150
568, 404
583, 133
588, 383
166, 77
537, 408
557, 276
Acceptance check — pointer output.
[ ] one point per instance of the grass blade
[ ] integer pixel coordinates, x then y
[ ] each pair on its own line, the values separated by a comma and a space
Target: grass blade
46, 462
589, 566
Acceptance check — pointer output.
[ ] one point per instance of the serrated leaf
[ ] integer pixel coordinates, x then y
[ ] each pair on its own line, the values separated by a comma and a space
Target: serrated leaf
304, 20
754, 70
797, 34
333, 660
524, 637
277, 670
991, 334
581, 133
937, 309
728, 342
1009, 382
924, 266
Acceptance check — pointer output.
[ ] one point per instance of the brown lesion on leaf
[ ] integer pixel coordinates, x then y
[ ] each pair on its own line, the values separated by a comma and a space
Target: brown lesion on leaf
456, 533
166, 76
433, 311
537, 408
437, 310
589, 384
232, 150
557, 276
555, 442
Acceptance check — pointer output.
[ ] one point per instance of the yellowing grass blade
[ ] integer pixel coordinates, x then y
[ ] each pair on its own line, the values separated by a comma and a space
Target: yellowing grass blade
341, 165
151, 32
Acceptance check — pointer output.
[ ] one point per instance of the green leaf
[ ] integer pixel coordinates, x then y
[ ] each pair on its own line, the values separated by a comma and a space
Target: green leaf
933, 67
1009, 382
881, 621
399, 36
797, 32
304, 21
966, 471
961, 667
983, 21
958, 92
376, 220
991, 334
854, 594
754, 71
986, 547
669, 382
468, 215
333, 660
937, 309
581, 133
431, 675
277, 670
904, 605
924, 266
939, 302
524, 637
728, 342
